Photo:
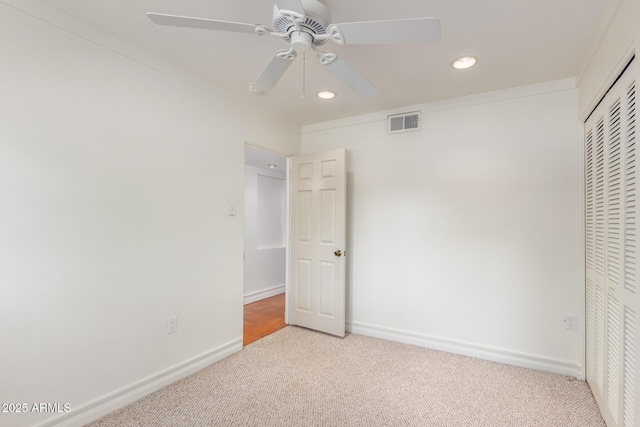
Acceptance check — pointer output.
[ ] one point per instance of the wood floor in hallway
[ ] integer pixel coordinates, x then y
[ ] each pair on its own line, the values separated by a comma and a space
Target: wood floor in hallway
262, 318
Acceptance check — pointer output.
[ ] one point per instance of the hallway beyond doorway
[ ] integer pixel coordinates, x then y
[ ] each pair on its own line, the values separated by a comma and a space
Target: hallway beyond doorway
262, 318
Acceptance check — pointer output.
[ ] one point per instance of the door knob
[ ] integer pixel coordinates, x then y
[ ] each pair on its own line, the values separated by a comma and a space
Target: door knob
338, 253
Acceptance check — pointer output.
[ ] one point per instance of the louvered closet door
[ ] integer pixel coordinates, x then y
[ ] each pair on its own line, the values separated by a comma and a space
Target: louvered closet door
611, 254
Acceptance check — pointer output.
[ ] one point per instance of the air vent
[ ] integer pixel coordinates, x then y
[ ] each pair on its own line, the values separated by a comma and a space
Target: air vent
405, 122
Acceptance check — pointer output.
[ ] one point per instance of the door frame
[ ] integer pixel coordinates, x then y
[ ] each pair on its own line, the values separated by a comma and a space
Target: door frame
287, 227
287, 230
287, 237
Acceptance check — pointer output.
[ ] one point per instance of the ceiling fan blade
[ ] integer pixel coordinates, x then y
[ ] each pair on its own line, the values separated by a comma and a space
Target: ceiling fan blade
292, 5
413, 30
272, 73
205, 24
352, 78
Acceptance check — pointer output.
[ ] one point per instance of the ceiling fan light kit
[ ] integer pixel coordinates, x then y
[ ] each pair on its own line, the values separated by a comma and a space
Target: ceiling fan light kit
307, 25
301, 41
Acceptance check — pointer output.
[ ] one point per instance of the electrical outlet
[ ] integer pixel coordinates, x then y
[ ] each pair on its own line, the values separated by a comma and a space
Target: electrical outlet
570, 322
172, 324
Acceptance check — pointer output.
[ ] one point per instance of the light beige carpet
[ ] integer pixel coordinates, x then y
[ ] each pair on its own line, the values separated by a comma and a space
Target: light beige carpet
297, 377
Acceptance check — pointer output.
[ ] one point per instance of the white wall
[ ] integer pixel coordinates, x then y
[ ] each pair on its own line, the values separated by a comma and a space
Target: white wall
114, 185
264, 207
465, 236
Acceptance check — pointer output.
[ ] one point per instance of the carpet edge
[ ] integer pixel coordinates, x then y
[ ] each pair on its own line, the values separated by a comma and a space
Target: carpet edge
541, 363
100, 407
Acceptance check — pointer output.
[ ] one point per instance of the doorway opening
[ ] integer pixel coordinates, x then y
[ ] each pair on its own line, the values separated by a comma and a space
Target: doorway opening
265, 243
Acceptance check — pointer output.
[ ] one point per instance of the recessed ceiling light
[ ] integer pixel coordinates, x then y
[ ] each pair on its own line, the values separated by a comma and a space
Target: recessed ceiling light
326, 94
272, 166
464, 62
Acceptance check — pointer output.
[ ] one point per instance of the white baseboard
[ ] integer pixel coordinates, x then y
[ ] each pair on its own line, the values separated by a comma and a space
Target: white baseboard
262, 294
100, 407
557, 366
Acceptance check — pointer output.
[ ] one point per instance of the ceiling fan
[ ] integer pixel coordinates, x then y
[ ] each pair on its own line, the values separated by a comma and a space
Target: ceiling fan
306, 25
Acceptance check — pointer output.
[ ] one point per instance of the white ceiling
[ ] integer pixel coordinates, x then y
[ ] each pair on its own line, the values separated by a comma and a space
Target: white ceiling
262, 159
518, 43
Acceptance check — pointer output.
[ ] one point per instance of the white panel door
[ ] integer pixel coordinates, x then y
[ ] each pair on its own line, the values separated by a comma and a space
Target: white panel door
612, 255
318, 242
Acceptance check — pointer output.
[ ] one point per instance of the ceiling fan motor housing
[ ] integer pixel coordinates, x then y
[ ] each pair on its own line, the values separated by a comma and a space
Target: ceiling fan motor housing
316, 20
